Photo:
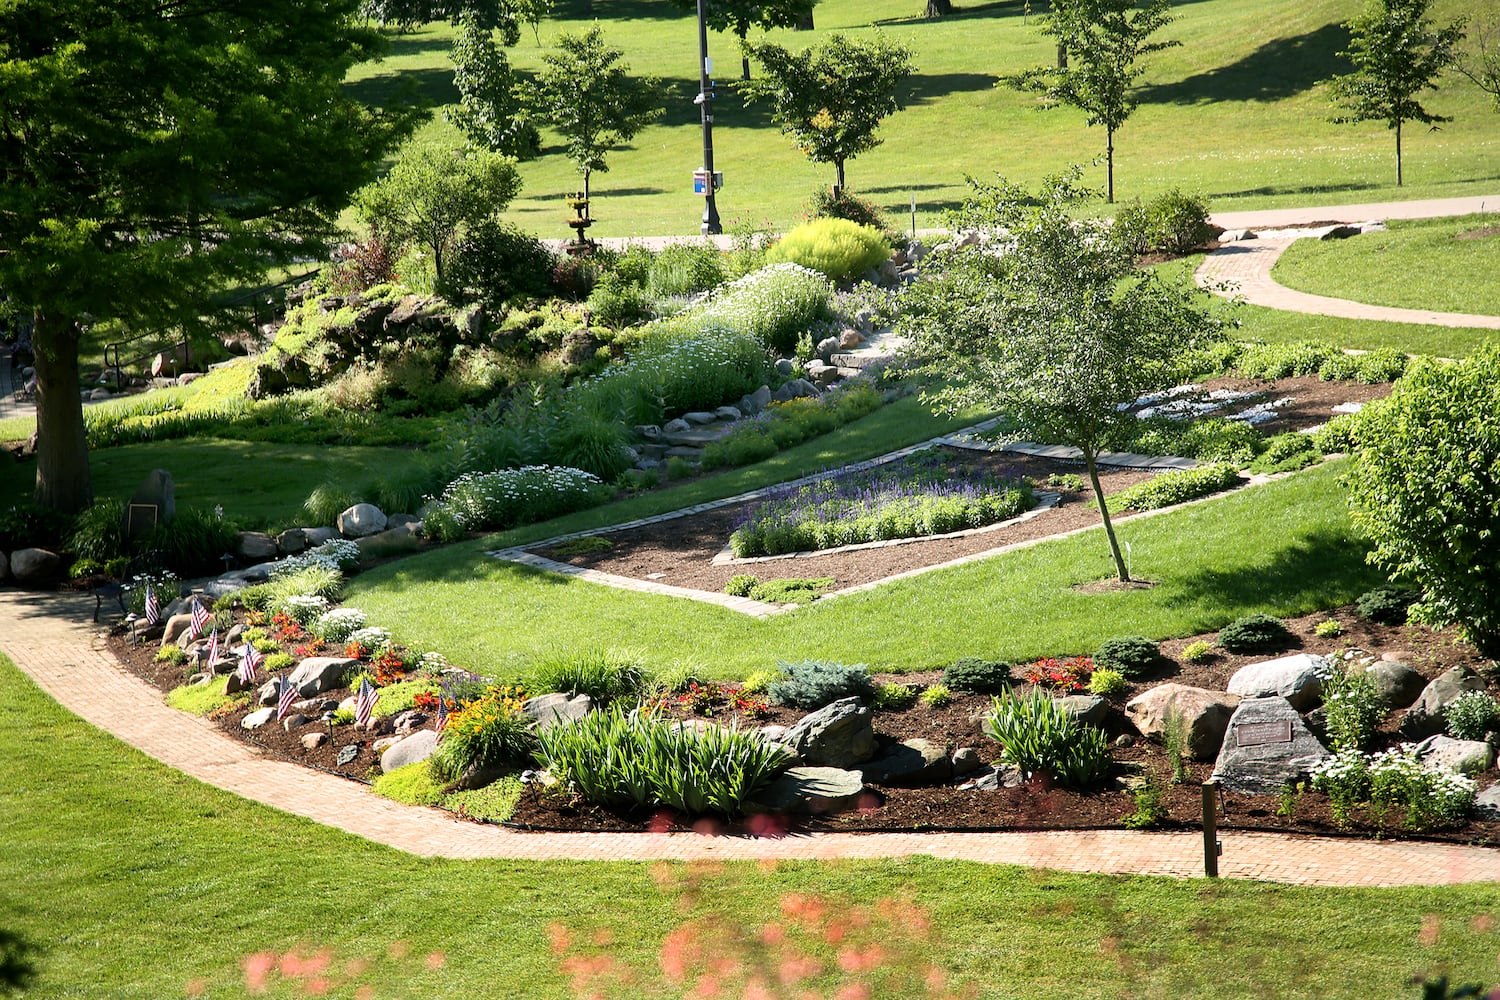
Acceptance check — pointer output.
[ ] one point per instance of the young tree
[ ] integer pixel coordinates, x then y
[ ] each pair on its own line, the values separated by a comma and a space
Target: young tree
151, 152
1482, 65
1397, 53
434, 193
587, 94
831, 98
1049, 321
739, 16
1099, 44
491, 110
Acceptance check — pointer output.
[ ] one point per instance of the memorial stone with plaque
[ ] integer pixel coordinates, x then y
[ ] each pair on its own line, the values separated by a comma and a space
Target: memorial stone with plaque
1265, 747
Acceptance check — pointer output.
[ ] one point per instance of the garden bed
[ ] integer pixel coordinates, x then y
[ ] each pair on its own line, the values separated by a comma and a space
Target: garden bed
952, 807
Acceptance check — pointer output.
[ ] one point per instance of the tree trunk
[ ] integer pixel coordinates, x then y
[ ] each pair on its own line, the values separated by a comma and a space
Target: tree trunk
838, 174
1109, 529
1062, 56
740, 32
62, 447
805, 22
938, 8
1398, 154
1109, 168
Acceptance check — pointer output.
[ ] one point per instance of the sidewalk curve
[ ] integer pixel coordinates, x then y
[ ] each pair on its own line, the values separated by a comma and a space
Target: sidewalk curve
50, 638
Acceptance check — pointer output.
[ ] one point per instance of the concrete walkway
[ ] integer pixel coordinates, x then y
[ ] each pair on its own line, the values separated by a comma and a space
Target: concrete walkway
1431, 208
49, 638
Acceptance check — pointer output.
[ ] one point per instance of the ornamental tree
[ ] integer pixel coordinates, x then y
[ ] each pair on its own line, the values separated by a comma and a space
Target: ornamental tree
739, 16
491, 110
1425, 486
1397, 53
586, 93
1100, 44
434, 194
1049, 321
831, 98
152, 152
1482, 64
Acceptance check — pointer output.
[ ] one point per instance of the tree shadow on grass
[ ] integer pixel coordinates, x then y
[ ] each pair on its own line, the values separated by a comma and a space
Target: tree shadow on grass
1280, 68
420, 87
16, 968
1272, 189
927, 87
1318, 570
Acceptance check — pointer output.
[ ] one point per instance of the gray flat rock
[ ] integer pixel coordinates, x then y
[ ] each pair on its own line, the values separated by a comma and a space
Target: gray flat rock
1297, 678
1266, 746
809, 790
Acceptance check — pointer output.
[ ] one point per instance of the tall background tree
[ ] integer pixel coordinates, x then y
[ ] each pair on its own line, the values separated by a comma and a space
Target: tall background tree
1100, 44
588, 95
151, 152
1049, 321
831, 98
739, 16
491, 109
1397, 53
1482, 63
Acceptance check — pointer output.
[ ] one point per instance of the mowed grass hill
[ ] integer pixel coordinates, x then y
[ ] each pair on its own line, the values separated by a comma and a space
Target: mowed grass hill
1238, 111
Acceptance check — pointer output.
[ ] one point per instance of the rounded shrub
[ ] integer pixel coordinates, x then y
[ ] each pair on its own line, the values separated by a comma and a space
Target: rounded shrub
977, 675
1105, 682
1387, 603
1473, 715
837, 247
1129, 655
811, 684
1257, 633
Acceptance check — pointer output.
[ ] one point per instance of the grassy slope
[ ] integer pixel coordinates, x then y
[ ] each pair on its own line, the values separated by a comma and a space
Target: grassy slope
129, 881
1237, 112
1418, 264
1213, 563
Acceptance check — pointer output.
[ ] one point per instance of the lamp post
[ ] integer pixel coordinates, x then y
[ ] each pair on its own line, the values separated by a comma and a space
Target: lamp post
711, 224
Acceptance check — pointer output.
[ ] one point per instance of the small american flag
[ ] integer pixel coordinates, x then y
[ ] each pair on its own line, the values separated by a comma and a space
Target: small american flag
442, 713
249, 660
213, 648
288, 695
200, 620
364, 704
153, 609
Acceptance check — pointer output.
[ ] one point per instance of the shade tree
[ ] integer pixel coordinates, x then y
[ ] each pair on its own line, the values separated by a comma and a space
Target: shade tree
739, 16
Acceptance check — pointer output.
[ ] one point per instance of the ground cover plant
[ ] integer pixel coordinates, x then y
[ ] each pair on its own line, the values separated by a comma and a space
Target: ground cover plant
919, 495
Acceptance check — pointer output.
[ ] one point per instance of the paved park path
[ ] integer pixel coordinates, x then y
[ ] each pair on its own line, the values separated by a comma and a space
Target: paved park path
1244, 268
51, 639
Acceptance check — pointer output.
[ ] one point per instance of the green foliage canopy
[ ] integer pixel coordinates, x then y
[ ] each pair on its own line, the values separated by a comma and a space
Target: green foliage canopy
739, 16
490, 110
831, 98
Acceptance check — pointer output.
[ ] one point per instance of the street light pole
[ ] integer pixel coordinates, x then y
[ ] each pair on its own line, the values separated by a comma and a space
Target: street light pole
711, 224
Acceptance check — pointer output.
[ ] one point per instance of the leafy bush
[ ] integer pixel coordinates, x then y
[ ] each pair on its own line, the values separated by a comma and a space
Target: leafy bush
1473, 715
1384, 364
591, 442
496, 500
1353, 709
1287, 453
1255, 633
1172, 222
603, 674
1328, 629
1387, 604
1423, 487
616, 303
895, 696
980, 676
791, 590
838, 248
684, 269
1211, 439
397, 697
487, 732
1273, 361
761, 680
1042, 738
740, 585
1177, 486
936, 695
827, 203
782, 425
192, 542
1105, 682
1197, 651
171, 653
615, 758
1150, 804
277, 662
98, 532
495, 263
1339, 436
811, 684
1130, 655
775, 304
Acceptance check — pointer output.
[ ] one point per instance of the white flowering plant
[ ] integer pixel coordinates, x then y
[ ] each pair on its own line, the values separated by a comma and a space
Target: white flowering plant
1429, 796
338, 625
776, 304
481, 501
371, 638
303, 608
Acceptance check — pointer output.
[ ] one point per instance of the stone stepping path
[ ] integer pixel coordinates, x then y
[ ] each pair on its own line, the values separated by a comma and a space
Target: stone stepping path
49, 638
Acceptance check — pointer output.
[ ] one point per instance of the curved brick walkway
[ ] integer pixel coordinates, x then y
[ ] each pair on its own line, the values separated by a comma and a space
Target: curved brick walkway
50, 639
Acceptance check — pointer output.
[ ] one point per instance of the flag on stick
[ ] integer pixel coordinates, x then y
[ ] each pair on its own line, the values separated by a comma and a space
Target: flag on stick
249, 661
200, 620
364, 704
153, 609
213, 648
288, 695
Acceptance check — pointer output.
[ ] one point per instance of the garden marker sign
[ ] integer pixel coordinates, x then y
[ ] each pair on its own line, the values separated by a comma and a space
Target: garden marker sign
1259, 734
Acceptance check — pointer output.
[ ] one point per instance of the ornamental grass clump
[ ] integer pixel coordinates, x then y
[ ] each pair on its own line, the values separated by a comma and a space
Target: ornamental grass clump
926, 494
496, 500
614, 757
603, 674
1041, 738
811, 684
490, 731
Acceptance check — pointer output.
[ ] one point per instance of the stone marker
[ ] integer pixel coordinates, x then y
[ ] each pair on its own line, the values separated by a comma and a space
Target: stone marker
153, 502
1266, 746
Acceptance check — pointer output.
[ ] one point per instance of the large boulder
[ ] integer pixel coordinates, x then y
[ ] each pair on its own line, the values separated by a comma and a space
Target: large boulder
1487, 803
255, 546
836, 735
360, 520
914, 762
177, 628
1463, 756
1397, 684
317, 536
752, 403
1297, 678
1425, 716
557, 709
291, 541
1204, 714
809, 790
1089, 708
36, 567
4, 566
317, 674
1266, 746
416, 747
401, 540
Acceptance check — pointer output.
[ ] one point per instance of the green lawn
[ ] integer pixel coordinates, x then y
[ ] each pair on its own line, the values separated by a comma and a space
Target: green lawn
1442, 264
258, 485
1212, 563
1237, 112
123, 879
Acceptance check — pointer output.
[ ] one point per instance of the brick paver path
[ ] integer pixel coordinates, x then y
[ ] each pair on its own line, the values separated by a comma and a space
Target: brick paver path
50, 638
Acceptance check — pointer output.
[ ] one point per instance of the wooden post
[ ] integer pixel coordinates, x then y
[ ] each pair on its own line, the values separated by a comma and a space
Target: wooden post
1210, 830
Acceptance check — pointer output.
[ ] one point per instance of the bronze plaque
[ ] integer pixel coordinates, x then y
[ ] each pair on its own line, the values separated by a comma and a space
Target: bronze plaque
140, 517
1257, 734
